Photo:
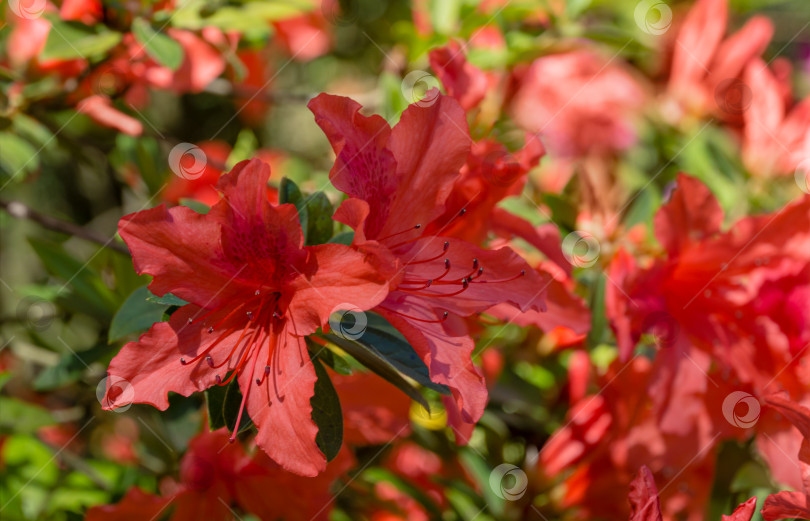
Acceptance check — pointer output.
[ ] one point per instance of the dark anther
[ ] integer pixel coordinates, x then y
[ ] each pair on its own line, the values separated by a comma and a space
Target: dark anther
183, 361
211, 329
209, 361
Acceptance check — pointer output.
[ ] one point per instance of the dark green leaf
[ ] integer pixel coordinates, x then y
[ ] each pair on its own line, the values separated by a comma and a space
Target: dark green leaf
319, 217
288, 192
326, 413
137, 313
223, 407
379, 365
195, 205
162, 48
383, 338
69, 40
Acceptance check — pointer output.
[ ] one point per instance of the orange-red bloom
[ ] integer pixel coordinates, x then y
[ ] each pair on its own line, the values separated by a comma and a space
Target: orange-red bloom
254, 292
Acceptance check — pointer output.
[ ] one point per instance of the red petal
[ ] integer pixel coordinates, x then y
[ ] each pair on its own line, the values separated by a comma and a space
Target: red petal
744, 512
692, 214
430, 144
281, 407
152, 367
784, 505
697, 42
181, 249
643, 497
364, 168
334, 275
101, 110
462, 80
374, 411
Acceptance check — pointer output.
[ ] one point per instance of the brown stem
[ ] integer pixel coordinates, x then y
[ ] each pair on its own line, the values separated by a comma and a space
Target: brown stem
21, 211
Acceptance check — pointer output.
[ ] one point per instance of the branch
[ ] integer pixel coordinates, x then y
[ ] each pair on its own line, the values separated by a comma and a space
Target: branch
21, 211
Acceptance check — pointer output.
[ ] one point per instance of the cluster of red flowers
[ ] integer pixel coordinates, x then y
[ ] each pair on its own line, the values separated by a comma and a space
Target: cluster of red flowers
711, 318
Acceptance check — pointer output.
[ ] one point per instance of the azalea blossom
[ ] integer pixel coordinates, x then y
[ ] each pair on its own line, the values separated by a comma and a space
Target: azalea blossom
254, 292
398, 180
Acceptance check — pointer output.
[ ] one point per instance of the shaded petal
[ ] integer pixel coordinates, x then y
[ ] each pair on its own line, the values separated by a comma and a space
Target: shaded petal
136, 505
697, 42
152, 364
691, 215
643, 497
461, 79
786, 505
364, 167
281, 408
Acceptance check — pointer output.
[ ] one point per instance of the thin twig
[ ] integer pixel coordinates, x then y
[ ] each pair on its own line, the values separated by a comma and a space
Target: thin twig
22, 211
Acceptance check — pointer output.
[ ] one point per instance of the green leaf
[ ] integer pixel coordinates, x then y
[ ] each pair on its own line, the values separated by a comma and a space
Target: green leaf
69, 40
168, 300
69, 368
343, 238
384, 339
162, 48
319, 218
19, 417
94, 297
18, 155
326, 413
378, 364
137, 313
289, 193
224, 402
195, 205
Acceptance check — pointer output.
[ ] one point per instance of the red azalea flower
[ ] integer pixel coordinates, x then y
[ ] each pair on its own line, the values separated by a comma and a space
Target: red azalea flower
398, 181
214, 475
255, 291
706, 69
